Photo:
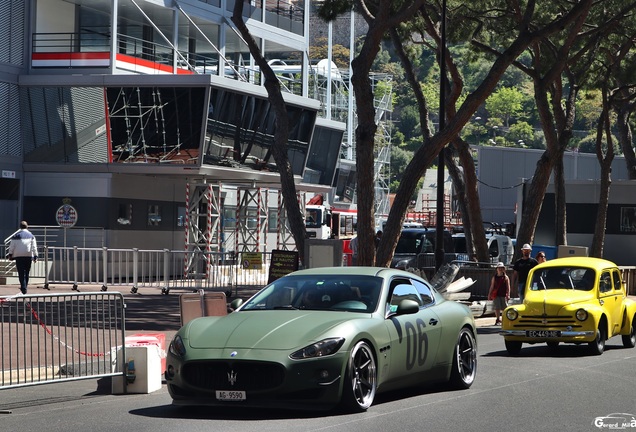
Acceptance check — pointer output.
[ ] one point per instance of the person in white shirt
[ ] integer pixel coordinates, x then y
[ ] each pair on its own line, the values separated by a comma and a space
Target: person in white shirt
24, 250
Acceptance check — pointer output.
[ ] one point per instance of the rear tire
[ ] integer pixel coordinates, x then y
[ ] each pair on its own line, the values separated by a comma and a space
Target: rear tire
629, 341
597, 346
361, 379
464, 360
513, 347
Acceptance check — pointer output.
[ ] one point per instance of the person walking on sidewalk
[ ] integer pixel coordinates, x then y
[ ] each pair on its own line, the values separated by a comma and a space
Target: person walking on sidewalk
499, 291
24, 250
521, 268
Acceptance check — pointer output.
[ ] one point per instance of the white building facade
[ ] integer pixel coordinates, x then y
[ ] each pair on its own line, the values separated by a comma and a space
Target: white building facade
149, 119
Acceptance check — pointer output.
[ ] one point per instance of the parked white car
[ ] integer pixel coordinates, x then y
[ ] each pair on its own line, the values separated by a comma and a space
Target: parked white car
500, 247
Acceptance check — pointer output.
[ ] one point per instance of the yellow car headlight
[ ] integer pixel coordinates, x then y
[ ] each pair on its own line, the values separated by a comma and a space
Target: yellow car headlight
581, 314
512, 314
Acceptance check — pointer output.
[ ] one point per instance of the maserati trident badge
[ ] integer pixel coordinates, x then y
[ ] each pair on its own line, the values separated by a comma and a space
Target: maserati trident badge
231, 377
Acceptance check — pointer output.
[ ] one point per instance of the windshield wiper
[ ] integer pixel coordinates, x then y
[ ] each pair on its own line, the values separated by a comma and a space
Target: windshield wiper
289, 307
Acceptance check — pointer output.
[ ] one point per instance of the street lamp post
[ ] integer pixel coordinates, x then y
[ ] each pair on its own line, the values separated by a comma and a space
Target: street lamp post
439, 250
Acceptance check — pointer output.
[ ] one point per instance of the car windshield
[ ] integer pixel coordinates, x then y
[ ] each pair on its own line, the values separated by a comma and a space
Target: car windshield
319, 292
577, 278
414, 243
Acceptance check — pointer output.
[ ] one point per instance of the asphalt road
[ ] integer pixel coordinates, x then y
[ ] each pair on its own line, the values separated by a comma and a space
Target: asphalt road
539, 390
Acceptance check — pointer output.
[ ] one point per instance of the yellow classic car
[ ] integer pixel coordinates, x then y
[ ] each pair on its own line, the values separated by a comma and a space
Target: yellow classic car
571, 300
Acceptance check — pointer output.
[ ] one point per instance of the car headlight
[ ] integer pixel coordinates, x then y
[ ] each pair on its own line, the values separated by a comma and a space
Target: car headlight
322, 348
581, 314
177, 347
512, 314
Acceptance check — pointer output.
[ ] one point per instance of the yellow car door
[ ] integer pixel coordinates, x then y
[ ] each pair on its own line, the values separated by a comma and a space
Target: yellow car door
611, 300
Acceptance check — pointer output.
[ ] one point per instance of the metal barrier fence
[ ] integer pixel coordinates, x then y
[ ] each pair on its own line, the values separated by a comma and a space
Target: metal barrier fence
60, 337
163, 269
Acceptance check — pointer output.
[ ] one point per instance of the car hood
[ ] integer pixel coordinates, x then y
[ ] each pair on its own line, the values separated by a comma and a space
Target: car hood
555, 299
265, 329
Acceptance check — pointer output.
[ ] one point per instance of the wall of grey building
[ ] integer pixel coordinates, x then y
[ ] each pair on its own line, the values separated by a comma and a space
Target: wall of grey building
13, 49
502, 172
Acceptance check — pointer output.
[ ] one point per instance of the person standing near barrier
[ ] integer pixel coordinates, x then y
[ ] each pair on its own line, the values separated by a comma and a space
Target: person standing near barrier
499, 291
540, 257
353, 244
24, 250
521, 268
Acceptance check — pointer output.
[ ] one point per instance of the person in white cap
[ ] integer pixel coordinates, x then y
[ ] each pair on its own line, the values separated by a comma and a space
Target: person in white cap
499, 291
521, 268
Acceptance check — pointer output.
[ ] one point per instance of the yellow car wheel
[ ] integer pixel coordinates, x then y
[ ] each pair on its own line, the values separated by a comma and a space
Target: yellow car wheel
597, 346
629, 341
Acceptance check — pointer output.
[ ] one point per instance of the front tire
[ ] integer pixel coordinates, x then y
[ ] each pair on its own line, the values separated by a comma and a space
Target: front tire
629, 341
597, 346
464, 360
360, 379
513, 347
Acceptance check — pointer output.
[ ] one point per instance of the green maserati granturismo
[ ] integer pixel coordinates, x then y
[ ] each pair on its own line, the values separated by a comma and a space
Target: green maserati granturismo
322, 338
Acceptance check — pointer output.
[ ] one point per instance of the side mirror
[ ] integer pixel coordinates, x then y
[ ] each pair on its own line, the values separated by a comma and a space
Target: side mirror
407, 307
236, 303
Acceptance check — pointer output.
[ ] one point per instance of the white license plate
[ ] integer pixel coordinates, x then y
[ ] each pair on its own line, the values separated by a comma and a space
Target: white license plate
230, 395
543, 333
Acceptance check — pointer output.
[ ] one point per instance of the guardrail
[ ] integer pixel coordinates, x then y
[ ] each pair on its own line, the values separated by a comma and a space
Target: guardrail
60, 337
163, 269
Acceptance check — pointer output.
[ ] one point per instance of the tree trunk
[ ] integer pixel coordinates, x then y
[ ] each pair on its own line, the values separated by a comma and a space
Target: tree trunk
365, 139
560, 222
605, 161
533, 200
625, 138
471, 208
281, 135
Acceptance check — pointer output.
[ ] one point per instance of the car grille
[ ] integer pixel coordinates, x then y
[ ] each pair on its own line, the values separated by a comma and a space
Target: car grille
223, 375
547, 321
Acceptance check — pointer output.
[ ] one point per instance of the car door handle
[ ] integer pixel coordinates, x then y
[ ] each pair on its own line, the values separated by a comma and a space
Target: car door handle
432, 321
602, 302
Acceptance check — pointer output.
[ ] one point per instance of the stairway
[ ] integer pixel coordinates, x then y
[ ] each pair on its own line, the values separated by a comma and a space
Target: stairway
7, 271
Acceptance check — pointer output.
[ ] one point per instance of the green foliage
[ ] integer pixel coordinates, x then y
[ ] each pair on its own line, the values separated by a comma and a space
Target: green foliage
521, 131
399, 160
339, 54
410, 122
588, 144
330, 9
505, 103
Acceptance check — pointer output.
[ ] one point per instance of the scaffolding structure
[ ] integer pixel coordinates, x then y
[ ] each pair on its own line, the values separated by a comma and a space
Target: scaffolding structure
382, 86
284, 238
251, 219
202, 226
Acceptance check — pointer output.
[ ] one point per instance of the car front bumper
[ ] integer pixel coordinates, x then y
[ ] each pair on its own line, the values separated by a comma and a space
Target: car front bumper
562, 334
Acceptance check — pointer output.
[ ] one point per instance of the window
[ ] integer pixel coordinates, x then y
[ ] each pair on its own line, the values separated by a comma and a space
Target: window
605, 284
402, 290
124, 214
628, 219
229, 218
181, 216
617, 280
425, 292
272, 220
154, 215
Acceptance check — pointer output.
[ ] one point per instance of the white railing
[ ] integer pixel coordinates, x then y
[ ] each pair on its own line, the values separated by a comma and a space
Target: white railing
163, 269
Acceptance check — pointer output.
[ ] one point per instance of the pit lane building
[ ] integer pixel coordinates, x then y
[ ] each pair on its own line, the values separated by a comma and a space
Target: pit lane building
146, 120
